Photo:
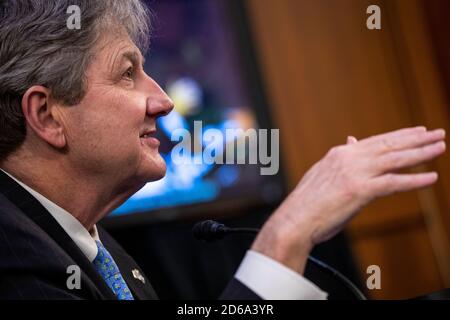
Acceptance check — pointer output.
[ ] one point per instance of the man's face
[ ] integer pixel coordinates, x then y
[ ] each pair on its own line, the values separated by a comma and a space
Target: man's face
109, 134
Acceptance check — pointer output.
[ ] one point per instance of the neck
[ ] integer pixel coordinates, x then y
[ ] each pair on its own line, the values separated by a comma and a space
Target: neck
87, 197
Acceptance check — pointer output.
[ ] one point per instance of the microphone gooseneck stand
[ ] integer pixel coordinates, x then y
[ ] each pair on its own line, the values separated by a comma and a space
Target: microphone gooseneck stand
210, 230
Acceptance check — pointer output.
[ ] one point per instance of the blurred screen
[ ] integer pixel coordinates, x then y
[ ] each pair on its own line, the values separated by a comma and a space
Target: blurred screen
194, 56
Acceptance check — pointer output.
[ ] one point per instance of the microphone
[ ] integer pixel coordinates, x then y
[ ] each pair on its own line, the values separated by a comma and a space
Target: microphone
210, 230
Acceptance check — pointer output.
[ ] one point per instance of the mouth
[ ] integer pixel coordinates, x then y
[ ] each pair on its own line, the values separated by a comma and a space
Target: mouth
147, 138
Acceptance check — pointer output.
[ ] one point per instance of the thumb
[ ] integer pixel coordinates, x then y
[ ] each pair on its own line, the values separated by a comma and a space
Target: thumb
351, 140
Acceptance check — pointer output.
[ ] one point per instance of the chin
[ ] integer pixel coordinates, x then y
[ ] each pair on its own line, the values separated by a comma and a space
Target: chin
155, 170
160, 174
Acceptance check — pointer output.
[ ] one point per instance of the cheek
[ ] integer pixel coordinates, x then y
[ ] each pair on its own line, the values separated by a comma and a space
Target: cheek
108, 150
120, 116
106, 132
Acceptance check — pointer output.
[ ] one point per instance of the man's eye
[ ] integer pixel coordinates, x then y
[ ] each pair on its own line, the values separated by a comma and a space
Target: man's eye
129, 74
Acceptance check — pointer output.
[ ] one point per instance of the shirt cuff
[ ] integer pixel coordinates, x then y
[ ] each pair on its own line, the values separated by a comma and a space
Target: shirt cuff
272, 280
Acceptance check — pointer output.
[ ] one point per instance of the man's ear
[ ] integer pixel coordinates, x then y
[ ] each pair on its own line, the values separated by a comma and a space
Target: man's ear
38, 109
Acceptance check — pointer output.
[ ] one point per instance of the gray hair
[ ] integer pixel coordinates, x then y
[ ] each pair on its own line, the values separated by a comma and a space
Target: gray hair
37, 48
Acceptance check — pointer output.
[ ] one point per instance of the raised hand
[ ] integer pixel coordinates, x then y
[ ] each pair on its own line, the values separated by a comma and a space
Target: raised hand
339, 185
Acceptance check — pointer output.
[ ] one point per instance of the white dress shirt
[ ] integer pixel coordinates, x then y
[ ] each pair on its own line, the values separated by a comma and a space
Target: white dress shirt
266, 277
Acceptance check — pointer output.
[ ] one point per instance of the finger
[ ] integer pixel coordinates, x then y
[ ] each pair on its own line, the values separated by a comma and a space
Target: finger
407, 139
391, 183
398, 133
411, 157
351, 140
375, 141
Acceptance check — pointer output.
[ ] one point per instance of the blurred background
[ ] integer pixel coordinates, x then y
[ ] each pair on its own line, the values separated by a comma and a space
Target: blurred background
312, 69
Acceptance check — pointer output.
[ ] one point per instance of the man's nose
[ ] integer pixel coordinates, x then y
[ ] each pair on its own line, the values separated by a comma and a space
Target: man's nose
159, 105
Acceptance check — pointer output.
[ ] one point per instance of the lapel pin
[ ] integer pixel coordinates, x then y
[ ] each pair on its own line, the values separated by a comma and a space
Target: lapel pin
138, 275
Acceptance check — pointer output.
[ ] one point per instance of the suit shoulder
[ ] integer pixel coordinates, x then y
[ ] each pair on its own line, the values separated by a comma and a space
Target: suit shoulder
23, 242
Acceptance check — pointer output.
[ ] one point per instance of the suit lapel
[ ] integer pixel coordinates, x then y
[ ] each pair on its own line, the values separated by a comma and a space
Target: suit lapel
135, 278
31, 207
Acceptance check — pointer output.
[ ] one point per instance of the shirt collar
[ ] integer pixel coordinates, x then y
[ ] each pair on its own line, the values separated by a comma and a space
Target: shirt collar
79, 234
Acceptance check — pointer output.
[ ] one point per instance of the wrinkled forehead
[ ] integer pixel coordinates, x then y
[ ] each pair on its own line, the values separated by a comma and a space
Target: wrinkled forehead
113, 49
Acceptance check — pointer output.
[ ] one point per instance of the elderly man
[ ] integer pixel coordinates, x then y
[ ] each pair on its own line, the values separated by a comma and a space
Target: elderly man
77, 122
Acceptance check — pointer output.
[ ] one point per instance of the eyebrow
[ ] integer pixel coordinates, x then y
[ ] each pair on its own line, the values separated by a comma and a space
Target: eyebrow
133, 56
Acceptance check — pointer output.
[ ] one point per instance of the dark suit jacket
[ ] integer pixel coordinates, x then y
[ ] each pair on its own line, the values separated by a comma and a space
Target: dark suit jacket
35, 253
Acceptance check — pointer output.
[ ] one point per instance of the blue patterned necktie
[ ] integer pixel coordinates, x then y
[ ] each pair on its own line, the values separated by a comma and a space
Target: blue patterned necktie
107, 268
